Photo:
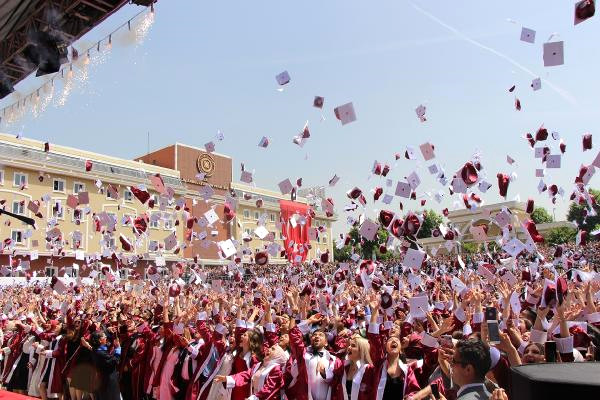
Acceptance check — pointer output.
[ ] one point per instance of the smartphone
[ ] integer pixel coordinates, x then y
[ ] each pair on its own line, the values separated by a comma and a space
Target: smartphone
550, 351
435, 390
491, 314
446, 341
493, 332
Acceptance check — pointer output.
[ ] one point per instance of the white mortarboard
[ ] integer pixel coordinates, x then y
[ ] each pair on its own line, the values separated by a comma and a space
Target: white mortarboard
206, 192
509, 278
211, 216
285, 186
403, 189
553, 161
227, 247
433, 169
536, 84
326, 205
368, 229
420, 111
387, 198
170, 241
539, 173
510, 160
459, 186
503, 218
345, 113
246, 177
418, 306
553, 54
458, 285
283, 78
478, 233
413, 180
527, 35
427, 151
261, 232
413, 258
514, 247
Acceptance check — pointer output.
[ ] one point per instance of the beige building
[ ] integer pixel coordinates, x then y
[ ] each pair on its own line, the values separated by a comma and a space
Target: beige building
29, 173
249, 215
464, 218
196, 181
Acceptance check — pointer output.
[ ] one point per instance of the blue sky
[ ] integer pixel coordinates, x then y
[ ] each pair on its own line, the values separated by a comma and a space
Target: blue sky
208, 66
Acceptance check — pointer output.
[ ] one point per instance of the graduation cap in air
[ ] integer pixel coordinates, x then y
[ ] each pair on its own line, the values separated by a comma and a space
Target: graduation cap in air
584, 9
503, 181
587, 141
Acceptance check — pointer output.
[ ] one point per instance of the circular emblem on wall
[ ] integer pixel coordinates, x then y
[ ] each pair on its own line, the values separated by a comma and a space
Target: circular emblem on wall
205, 164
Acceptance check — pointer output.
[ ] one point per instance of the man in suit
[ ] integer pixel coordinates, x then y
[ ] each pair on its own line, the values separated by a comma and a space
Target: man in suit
470, 362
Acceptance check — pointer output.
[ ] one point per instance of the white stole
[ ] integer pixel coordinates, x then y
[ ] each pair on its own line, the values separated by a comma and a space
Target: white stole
383, 379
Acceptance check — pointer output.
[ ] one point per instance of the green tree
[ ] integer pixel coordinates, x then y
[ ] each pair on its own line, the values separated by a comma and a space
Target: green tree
561, 235
576, 213
431, 221
342, 254
470, 247
541, 216
367, 247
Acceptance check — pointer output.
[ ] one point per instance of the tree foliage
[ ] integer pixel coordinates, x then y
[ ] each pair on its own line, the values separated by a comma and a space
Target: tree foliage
470, 247
431, 221
561, 235
366, 248
577, 213
541, 216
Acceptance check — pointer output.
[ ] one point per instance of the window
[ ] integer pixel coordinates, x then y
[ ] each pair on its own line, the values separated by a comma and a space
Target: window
247, 214
248, 231
58, 210
272, 217
1, 177
318, 239
58, 185
51, 271
153, 245
78, 216
111, 243
72, 272
128, 195
18, 207
154, 220
324, 238
256, 214
20, 179
168, 224
127, 220
123, 273
17, 237
78, 187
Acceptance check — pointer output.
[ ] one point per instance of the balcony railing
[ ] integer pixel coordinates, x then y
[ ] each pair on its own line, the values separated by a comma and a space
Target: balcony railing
11, 152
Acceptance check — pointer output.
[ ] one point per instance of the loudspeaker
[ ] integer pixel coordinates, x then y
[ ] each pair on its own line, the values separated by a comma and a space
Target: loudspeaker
573, 380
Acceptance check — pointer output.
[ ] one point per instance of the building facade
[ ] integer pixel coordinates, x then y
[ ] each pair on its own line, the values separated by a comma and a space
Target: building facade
464, 218
208, 178
41, 181
30, 174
